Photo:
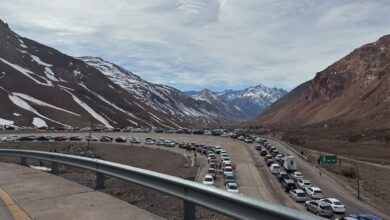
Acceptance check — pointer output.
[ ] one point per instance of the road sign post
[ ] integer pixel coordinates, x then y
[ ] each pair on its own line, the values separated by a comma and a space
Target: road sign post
328, 160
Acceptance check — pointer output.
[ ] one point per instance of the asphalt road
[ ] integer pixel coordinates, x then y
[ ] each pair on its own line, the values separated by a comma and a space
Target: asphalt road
253, 176
4, 212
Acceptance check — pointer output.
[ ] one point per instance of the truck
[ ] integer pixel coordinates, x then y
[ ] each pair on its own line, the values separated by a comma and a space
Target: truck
290, 164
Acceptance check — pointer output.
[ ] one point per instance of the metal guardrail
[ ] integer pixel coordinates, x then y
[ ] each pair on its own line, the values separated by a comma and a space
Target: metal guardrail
192, 193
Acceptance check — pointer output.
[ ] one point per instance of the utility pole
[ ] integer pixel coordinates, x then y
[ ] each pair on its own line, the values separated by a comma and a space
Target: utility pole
358, 181
90, 134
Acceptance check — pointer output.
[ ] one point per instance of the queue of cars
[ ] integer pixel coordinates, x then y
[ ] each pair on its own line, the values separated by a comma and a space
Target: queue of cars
294, 183
219, 164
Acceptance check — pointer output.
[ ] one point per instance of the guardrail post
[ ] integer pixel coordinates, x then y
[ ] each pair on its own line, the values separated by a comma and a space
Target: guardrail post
189, 207
23, 161
99, 180
54, 168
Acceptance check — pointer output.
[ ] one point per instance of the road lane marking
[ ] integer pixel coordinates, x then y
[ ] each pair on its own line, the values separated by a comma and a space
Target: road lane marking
13, 208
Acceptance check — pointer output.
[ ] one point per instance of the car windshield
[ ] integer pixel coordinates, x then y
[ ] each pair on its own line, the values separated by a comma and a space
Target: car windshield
337, 203
301, 194
325, 207
317, 191
208, 179
307, 183
232, 187
228, 169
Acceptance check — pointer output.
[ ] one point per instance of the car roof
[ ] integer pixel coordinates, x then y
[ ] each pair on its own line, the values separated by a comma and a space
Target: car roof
232, 184
306, 181
208, 176
297, 172
333, 199
298, 191
315, 188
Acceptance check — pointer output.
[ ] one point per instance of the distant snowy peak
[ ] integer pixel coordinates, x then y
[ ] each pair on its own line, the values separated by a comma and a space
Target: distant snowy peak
251, 101
205, 95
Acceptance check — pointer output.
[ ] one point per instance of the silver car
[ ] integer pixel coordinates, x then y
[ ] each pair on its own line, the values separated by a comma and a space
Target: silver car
298, 195
319, 208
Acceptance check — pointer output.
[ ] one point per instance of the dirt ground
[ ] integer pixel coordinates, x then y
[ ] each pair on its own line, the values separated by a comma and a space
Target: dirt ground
157, 203
374, 178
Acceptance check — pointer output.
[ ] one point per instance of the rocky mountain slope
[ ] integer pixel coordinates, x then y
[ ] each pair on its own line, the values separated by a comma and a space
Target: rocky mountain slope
351, 94
41, 86
213, 99
250, 101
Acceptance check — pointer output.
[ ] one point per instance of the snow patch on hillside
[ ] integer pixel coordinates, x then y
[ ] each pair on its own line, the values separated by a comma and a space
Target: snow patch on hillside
39, 122
6, 122
90, 110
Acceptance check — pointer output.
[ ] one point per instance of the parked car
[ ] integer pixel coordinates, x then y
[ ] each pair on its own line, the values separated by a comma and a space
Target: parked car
267, 157
269, 162
91, 138
319, 208
232, 187
288, 184
263, 152
212, 172
9, 139
303, 184
229, 178
314, 192
275, 168
135, 140
248, 140
357, 216
43, 138
26, 138
298, 195
282, 175
227, 170
75, 138
208, 180
296, 175
60, 138
121, 139
258, 147
336, 205
106, 139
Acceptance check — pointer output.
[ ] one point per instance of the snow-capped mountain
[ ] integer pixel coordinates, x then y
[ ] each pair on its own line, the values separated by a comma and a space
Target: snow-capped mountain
41, 86
252, 100
213, 99
249, 102
163, 98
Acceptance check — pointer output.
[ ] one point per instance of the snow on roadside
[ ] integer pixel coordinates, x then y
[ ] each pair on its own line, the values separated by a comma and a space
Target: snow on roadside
90, 110
5, 122
41, 103
16, 114
39, 122
22, 44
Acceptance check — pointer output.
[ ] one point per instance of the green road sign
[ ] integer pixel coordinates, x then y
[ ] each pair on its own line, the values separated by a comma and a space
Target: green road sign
328, 160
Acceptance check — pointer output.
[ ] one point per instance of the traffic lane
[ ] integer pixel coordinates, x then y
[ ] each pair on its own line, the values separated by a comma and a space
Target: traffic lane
330, 188
271, 181
5, 214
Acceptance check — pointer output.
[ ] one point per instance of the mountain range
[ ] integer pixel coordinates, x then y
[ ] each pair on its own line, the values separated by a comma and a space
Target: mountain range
250, 101
41, 86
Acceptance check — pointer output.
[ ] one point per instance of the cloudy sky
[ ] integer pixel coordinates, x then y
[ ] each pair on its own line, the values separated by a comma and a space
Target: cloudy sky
215, 44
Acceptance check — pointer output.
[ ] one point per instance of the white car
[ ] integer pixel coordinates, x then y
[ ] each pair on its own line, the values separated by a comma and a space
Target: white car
226, 159
336, 205
303, 184
227, 170
297, 175
9, 139
224, 156
275, 168
208, 180
314, 192
91, 138
298, 195
232, 187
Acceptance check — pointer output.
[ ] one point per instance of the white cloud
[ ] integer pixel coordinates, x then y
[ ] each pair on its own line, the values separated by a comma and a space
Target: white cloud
205, 43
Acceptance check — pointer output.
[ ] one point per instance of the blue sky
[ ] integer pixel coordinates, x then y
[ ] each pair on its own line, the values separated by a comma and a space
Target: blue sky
215, 44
